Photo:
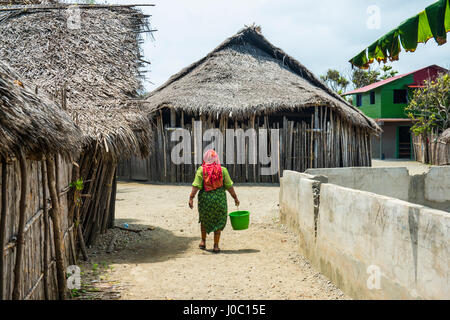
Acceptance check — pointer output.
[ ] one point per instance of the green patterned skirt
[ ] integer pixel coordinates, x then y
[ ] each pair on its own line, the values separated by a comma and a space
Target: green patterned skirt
213, 209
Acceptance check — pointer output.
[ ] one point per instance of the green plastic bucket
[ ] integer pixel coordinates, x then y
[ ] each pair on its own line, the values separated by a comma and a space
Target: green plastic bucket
240, 220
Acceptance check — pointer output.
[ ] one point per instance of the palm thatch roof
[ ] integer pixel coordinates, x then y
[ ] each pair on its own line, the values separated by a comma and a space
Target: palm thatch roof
32, 123
98, 65
246, 74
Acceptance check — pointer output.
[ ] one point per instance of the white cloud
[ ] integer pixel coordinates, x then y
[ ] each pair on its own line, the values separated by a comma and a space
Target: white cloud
320, 34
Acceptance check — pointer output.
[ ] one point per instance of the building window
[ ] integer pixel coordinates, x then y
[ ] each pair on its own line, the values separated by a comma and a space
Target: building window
358, 100
400, 96
372, 97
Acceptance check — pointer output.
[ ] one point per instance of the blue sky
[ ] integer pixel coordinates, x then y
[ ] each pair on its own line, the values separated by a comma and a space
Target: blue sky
320, 34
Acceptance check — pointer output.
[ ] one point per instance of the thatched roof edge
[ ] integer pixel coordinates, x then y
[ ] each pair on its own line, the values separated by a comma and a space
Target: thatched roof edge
100, 73
31, 122
253, 35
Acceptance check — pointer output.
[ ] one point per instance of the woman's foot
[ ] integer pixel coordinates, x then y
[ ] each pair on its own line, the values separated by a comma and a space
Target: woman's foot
216, 248
202, 245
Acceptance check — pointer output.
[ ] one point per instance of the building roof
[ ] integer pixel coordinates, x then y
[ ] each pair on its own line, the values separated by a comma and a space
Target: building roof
416, 83
31, 122
98, 63
246, 75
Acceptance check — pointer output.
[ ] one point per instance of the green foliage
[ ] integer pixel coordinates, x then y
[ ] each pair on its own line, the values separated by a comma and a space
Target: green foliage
429, 109
388, 72
361, 78
78, 184
74, 293
335, 81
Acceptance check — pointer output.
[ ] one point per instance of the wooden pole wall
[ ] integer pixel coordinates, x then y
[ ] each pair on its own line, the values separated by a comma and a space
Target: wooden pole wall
55, 215
29, 235
18, 273
3, 212
318, 140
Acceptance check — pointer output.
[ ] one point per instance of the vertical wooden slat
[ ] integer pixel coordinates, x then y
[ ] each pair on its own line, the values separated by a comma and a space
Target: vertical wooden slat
17, 291
46, 229
4, 209
57, 233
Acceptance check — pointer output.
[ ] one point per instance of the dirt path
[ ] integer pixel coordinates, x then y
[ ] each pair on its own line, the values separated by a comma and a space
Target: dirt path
165, 263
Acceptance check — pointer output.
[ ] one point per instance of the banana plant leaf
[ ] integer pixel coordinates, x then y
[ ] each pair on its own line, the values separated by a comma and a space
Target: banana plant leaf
433, 22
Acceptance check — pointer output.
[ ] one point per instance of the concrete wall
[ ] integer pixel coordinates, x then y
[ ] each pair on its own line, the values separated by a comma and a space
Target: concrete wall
431, 189
352, 235
393, 182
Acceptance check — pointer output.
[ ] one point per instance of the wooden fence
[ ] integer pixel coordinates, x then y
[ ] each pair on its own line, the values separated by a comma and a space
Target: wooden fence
317, 139
38, 266
430, 149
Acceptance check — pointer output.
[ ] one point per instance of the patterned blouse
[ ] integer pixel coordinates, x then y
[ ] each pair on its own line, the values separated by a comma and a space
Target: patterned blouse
198, 181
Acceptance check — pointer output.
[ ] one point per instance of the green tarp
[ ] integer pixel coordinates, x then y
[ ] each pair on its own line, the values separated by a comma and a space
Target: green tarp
433, 22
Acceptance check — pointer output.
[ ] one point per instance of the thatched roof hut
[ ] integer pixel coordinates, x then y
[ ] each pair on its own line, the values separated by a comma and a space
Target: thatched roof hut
246, 75
246, 82
88, 59
93, 68
33, 131
32, 123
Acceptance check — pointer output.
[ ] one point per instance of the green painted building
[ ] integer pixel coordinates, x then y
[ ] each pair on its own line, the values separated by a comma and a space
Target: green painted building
385, 101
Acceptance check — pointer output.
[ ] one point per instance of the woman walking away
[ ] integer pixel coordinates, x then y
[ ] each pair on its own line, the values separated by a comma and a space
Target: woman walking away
212, 180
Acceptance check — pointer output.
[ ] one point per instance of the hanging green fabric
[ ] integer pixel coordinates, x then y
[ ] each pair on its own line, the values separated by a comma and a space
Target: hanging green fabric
424, 30
361, 60
436, 17
433, 22
372, 52
408, 32
447, 17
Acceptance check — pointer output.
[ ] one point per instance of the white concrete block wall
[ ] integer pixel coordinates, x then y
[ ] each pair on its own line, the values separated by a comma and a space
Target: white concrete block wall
357, 230
437, 184
392, 182
433, 271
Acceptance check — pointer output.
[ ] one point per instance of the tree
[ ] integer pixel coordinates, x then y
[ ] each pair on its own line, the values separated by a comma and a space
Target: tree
388, 72
429, 109
361, 78
335, 81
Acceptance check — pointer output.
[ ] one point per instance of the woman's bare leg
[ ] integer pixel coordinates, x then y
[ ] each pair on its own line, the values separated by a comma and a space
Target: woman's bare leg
216, 240
203, 242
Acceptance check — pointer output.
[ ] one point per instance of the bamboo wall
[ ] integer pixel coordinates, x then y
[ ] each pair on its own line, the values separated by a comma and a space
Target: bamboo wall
96, 213
314, 138
38, 266
428, 149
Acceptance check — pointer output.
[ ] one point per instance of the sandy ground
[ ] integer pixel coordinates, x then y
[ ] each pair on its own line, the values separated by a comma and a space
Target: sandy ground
165, 262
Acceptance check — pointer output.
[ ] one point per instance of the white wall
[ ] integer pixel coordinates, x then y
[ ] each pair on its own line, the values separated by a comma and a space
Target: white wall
357, 230
392, 182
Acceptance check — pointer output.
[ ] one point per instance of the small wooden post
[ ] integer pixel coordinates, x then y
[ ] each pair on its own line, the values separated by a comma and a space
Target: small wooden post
46, 228
3, 224
57, 233
109, 188
20, 232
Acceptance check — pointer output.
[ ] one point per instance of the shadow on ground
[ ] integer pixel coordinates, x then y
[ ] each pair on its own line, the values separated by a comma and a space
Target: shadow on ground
153, 244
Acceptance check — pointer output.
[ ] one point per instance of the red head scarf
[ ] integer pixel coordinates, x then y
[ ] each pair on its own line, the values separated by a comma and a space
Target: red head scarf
212, 171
